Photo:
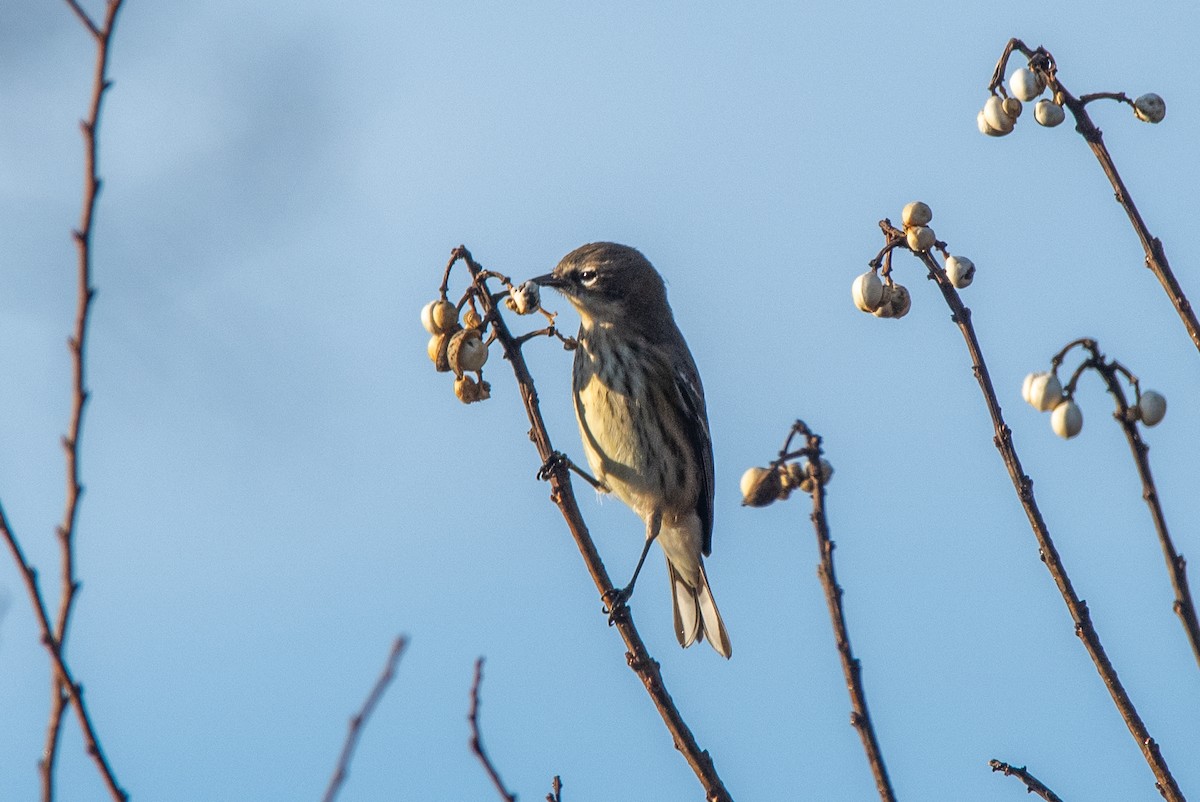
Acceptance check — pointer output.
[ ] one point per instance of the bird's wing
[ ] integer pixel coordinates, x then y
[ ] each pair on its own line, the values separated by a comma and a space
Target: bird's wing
691, 393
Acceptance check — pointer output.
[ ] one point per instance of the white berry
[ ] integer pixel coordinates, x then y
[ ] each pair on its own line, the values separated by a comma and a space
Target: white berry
525, 298
996, 117
1153, 406
760, 487
916, 214
960, 270
1025, 84
1150, 108
1048, 113
867, 291
920, 238
1043, 391
1066, 420
984, 128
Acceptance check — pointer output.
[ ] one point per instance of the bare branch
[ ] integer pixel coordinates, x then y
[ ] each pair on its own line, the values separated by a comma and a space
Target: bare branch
71, 688
1032, 784
477, 740
359, 720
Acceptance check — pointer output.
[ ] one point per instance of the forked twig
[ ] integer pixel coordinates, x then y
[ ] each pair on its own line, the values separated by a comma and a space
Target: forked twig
1156, 258
1023, 485
477, 739
561, 492
359, 720
1032, 784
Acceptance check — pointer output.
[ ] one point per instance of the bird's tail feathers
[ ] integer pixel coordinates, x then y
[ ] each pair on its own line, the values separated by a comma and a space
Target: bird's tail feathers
696, 614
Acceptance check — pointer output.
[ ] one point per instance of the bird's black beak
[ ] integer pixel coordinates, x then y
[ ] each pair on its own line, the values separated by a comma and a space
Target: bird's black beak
550, 280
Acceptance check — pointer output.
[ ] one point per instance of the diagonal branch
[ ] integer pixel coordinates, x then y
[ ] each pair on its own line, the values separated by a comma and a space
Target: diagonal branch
72, 689
1156, 257
561, 492
1023, 485
359, 720
1032, 784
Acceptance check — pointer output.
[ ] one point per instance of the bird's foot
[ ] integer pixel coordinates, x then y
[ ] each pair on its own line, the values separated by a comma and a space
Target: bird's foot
615, 604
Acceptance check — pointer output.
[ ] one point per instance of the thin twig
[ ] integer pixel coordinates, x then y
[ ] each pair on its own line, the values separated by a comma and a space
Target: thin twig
477, 740
561, 492
1023, 485
860, 717
73, 689
1032, 784
555, 794
61, 693
1156, 258
359, 720
1184, 607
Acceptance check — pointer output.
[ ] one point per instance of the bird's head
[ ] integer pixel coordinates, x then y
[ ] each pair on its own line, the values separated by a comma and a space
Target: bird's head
609, 283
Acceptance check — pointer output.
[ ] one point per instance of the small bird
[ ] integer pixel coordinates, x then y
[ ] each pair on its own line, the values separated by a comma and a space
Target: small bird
642, 418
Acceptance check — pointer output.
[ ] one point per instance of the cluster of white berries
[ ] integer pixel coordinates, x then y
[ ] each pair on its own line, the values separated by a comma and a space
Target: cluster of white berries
871, 294
1044, 392
763, 486
457, 347
999, 114
460, 347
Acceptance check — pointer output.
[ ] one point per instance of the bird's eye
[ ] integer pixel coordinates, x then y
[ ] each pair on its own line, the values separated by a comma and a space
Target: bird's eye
588, 277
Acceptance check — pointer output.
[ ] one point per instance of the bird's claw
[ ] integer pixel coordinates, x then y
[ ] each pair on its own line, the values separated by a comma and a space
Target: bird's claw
615, 604
552, 463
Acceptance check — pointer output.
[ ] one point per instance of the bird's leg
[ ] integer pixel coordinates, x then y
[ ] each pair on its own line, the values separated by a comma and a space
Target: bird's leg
616, 598
559, 458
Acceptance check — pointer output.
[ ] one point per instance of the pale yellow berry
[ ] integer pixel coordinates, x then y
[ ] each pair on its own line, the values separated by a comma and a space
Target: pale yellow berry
916, 214
760, 487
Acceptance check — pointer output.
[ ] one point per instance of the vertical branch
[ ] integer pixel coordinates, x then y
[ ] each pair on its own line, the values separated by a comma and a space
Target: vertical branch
359, 720
477, 739
1032, 784
860, 718
69, 584
556, 472
1023, 485
1156, 257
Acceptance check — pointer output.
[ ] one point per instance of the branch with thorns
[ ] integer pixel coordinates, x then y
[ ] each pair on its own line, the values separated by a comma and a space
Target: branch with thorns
1080, 615
556, 469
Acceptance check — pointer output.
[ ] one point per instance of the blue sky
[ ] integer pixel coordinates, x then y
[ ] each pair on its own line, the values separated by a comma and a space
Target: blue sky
278, 483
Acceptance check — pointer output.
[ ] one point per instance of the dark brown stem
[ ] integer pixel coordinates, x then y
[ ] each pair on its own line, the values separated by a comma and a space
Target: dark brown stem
561, 492
1032, 784
359, 720
1023, 485
1184, 607
860, 717
71, 688
477, 740
555, 794
1156, 257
